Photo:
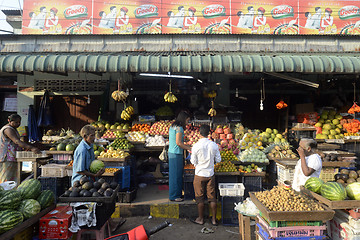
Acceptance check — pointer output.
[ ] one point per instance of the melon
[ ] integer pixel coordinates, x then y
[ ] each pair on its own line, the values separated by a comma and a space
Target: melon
353, 190
96, 165
314, 184
333, 191
61, 147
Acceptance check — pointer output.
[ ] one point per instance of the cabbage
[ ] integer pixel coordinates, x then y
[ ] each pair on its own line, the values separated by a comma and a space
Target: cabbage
353, 190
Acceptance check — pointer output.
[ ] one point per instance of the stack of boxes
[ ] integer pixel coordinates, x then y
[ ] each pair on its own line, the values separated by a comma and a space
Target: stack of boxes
345, 225
230, 193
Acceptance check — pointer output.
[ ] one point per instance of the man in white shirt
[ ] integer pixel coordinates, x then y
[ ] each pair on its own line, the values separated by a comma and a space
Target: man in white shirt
205, 153
309, 164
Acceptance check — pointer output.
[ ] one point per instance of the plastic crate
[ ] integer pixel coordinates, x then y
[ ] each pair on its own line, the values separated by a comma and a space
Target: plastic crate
63, 157
29, 154
231, 189
189, 193
266, 236
252, 184
291, 223
53, 170
57, 185
123, 178
328, 174
284, 174
294, 231
127, 197
229, 216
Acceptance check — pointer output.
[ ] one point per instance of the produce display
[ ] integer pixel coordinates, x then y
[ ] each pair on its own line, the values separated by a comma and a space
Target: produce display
222, 132
127, 113
225, 167
155, 141
251, 168
353, 191
329, 126
228, 155
111, 170
271, 136
119, 95
189, 166
114, 153
280, 150
314, 184
161, 127
140, 127
253, 155
192, 134
109, 134
239, 131
347, 176
67, 143
136, 136
333, 191
121, 143
85, 188
280, 199
19, 204
251, 139
352, 126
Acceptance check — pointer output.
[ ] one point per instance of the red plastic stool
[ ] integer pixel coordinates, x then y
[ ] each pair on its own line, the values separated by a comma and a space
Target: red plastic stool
99, 233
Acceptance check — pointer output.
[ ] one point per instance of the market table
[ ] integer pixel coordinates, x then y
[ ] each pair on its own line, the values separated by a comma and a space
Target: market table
292, 163
27, 223
34, 160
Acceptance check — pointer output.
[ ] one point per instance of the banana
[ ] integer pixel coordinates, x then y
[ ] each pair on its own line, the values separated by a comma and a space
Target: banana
170, 97
212, 112
119, 95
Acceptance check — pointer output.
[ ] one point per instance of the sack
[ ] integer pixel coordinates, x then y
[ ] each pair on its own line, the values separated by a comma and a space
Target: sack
164, 155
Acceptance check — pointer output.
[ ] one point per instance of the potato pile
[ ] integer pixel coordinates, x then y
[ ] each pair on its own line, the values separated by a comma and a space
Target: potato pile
280, 199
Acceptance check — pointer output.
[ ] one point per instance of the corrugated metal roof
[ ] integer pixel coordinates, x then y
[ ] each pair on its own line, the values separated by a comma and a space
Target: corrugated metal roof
11, 12
179, 62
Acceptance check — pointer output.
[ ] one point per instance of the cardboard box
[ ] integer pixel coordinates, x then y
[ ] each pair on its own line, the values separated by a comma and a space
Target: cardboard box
55, 224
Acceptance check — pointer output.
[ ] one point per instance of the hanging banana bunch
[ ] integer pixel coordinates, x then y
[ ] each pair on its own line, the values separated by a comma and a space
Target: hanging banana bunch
127, 113
119, 95
212, 111
169, 96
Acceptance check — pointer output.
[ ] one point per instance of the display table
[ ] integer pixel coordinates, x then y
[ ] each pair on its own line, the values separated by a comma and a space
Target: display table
35, 162
27, 223
244, 226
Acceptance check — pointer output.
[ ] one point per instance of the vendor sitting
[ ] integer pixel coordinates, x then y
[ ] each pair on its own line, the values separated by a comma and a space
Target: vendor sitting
309, 164
84, 155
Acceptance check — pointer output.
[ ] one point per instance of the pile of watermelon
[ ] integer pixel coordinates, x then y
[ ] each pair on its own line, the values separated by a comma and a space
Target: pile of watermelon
19, 204
333, 191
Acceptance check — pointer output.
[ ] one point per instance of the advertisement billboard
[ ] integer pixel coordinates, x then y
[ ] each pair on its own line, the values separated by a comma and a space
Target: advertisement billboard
191, 17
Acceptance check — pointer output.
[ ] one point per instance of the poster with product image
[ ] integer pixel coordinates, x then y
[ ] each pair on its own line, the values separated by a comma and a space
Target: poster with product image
127, 17
330, 17
57, 17
195, 17
265, 17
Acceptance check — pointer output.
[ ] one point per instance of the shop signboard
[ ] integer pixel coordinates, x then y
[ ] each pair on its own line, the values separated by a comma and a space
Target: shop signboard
57, 17
264, 17
195, 17
329, 17
191, 17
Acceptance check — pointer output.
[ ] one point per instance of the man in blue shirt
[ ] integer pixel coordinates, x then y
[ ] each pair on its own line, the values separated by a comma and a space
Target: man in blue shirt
84, 155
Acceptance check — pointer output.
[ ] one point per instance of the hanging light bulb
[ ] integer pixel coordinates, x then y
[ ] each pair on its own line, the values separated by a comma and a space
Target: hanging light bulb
237, 92
88, 99
261, 105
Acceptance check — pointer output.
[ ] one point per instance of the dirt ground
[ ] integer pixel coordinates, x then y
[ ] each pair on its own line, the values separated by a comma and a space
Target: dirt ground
180, 229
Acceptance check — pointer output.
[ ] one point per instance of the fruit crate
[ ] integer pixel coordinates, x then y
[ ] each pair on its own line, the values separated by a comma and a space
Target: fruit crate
57, 185
252, 184
229, 216
293, 231
266, 236
328, 174
127, 197
290, 223
54, 170
284, 173
123, 178
231, 189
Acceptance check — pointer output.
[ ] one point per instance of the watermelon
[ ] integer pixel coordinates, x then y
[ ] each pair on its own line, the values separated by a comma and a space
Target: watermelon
353, 190
1, 188
30, 189
314, 184
96, 165
46, 198
333, 191
9, 199
9, 219
29, 208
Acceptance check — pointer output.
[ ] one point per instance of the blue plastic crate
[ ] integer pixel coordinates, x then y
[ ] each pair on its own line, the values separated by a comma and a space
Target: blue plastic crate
229, 216
266, 236
57, 185
123, 178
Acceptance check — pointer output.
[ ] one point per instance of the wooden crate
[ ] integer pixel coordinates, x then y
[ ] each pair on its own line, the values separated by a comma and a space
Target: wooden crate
344, 204
325, 215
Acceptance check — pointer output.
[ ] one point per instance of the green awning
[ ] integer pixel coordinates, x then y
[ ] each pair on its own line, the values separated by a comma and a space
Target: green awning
204, 62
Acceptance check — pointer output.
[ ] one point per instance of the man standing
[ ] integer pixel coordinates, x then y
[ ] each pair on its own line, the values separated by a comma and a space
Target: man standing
204, 155
180, 17
249, 18
309, 164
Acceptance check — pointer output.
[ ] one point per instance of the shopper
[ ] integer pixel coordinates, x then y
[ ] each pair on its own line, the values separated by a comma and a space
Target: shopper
10, 142
309, 164
176, 156
205, 153
84, 155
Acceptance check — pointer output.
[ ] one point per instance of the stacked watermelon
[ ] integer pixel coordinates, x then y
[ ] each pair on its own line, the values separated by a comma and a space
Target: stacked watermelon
23, 203
333, 191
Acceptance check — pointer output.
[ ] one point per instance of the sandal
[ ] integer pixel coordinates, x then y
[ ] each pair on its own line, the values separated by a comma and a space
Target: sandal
194, 221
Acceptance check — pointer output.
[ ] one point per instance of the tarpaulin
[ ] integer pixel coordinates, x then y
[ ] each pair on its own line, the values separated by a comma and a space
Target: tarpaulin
32, 125
45, 115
